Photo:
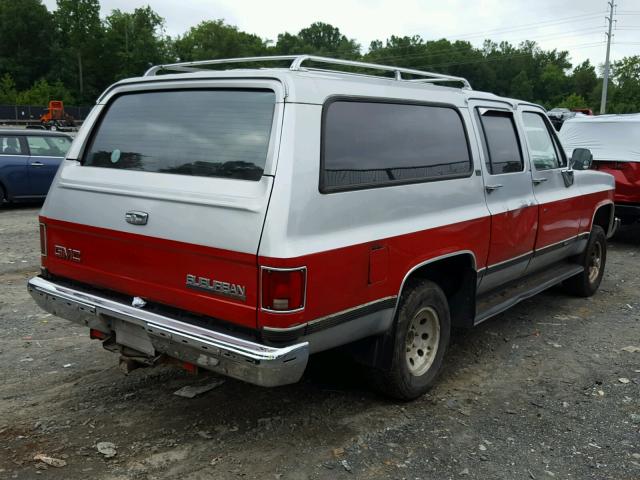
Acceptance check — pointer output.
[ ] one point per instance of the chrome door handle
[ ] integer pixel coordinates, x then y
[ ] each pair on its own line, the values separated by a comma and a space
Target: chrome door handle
538, 181
37, 164
491, 188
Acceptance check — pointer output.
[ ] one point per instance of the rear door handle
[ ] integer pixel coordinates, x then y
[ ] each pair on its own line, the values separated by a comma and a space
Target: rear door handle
37, 164
491, 188
538, 181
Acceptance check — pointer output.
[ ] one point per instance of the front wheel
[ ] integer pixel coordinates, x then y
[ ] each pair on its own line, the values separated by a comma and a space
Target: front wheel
593, 261
421, 336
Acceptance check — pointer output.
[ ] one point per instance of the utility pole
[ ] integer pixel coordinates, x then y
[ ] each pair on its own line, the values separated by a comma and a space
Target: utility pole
605, 80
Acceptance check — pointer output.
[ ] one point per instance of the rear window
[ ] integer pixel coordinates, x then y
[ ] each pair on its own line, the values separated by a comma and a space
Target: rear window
208, 133
373, 144
10, 145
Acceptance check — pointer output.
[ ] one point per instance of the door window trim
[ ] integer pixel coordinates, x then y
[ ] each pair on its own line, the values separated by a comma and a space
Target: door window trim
554, 139
485, 144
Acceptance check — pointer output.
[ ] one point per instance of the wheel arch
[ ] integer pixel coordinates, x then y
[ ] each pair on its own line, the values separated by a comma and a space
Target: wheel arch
456, 274
460, 266
604, 216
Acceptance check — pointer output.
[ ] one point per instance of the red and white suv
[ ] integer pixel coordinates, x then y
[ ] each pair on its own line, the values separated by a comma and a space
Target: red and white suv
240, 220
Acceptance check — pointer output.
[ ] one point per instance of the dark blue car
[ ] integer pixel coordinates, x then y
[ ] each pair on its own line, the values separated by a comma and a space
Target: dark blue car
29, 160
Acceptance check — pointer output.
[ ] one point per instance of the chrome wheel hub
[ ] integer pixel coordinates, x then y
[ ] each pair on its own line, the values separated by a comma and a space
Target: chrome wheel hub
421, 342
595, 261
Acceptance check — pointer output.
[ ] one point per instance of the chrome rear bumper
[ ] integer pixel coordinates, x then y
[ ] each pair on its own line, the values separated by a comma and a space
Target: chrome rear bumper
152, 333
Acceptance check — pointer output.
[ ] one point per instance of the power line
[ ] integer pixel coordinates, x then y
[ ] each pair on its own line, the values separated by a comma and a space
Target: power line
448, 51
504, 57
542, 24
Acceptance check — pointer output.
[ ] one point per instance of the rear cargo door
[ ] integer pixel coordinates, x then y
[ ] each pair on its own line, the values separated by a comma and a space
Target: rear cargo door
168, 195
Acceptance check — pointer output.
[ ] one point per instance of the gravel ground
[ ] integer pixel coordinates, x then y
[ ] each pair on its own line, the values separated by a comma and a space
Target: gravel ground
542, 391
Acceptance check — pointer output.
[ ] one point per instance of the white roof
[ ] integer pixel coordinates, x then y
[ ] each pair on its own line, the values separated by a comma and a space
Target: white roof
609, 137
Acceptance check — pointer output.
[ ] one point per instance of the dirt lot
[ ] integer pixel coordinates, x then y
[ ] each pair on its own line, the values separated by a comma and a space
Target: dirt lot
543, 391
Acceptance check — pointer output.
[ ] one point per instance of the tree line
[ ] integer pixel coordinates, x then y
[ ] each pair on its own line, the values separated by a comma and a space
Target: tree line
72, 54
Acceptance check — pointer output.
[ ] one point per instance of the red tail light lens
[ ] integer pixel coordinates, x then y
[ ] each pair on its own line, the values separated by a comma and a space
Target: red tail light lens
43, 240
283, 290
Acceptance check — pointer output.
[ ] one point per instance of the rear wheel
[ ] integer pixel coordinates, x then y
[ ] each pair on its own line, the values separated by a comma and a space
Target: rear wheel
593, 261
421, 337
3, 196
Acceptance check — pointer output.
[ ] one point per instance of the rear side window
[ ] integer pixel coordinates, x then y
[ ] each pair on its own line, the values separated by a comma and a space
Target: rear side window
48, 146
502, 148
10, 145
370, 144
208, 133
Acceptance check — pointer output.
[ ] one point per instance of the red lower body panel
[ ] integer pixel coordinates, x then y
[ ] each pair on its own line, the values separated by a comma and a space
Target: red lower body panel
513, 233
358, 274
154, 269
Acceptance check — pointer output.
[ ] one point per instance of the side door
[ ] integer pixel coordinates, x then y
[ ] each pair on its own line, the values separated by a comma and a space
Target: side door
509, 196
13, 165
554, 189
46, 153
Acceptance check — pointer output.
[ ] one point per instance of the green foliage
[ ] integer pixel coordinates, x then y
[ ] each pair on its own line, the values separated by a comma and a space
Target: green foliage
25, 40
215, 39
79, 47
584, 79
624, 94
573, 101
521, 87
41, 92
135, 41
8, 93
72, 54
318, 39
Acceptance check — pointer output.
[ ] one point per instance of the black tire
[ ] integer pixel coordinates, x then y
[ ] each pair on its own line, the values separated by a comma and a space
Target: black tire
587, 282
3, 196
419, 298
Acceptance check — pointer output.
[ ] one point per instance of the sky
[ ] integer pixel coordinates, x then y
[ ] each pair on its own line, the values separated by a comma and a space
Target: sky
578, 26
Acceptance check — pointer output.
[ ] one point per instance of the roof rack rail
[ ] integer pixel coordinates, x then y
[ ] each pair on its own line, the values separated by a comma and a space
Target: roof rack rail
298, 60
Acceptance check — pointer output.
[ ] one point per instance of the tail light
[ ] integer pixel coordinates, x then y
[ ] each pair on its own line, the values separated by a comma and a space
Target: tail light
97, 334
283, 289
43, 240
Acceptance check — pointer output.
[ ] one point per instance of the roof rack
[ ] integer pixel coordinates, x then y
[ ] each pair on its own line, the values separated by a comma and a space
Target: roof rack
298, 60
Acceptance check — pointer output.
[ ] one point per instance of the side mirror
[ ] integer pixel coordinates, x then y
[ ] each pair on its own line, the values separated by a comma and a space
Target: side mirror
581, 159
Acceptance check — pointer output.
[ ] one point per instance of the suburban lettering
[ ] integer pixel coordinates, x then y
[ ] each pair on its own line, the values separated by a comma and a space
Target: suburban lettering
216, 286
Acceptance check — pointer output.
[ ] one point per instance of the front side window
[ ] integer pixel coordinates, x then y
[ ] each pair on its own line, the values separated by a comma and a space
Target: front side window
208, 133
502, 148
369, 144
10, 145
542, 149
48, 146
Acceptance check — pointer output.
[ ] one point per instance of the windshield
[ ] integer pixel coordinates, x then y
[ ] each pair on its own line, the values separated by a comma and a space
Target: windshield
208, 133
